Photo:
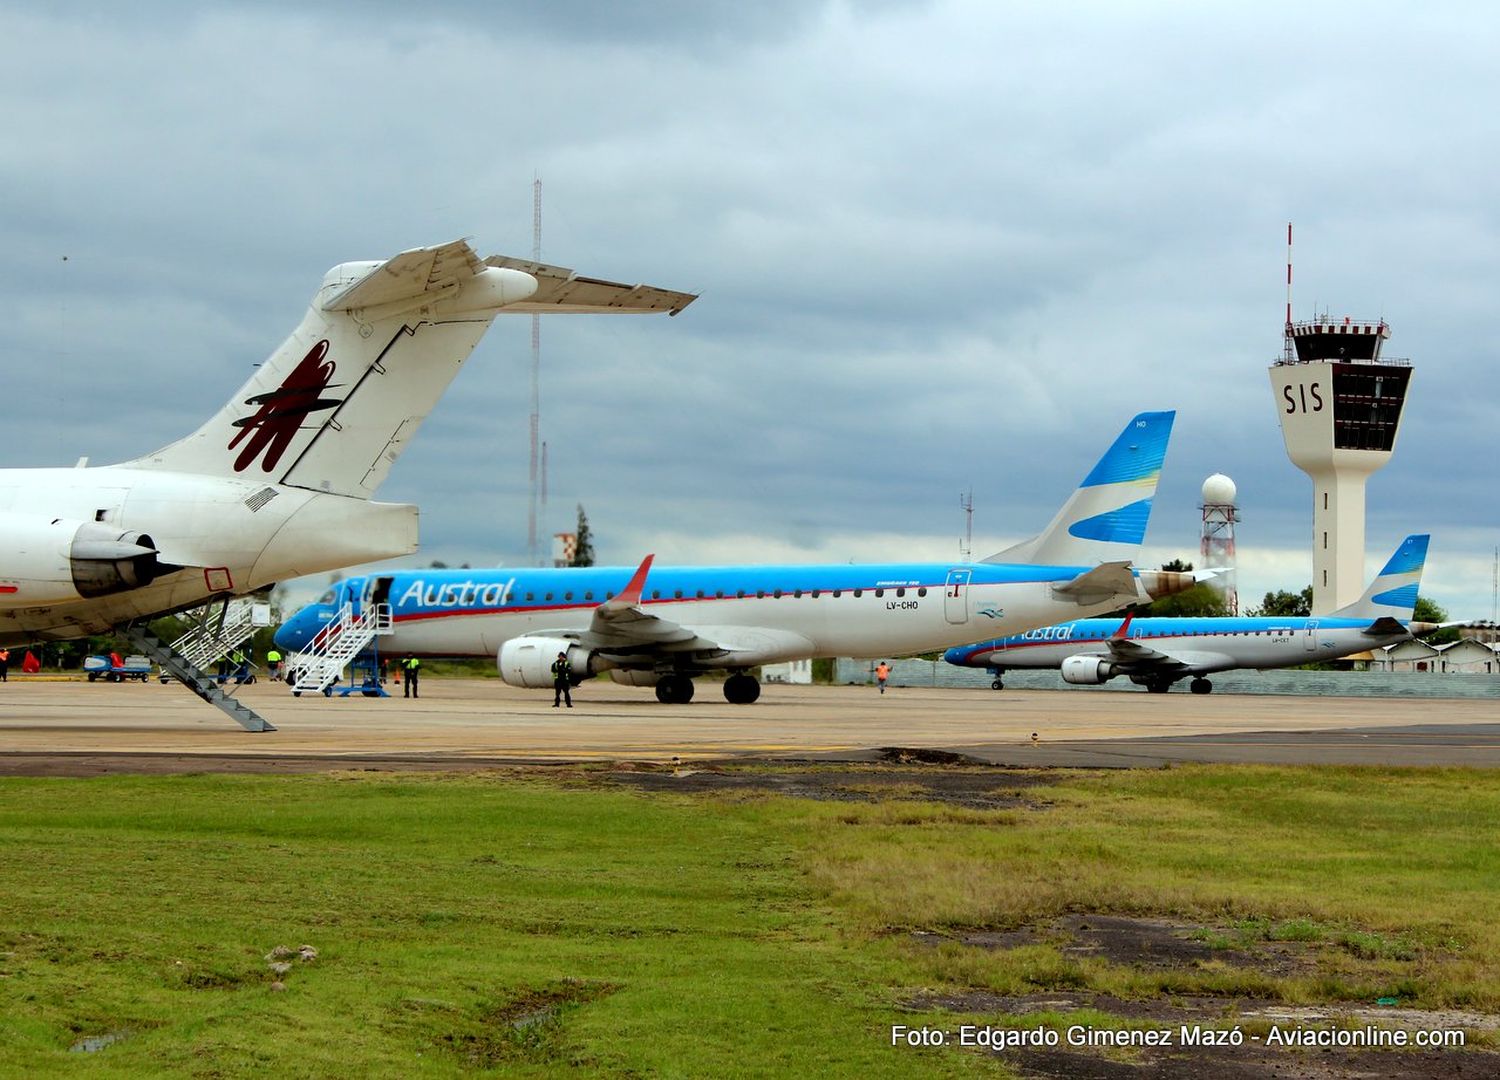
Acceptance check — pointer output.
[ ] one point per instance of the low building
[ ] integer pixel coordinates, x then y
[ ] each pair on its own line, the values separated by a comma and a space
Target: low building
1471, 656
1410, 655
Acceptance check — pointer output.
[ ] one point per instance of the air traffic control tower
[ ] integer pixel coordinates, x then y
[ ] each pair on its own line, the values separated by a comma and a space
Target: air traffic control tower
1340, 403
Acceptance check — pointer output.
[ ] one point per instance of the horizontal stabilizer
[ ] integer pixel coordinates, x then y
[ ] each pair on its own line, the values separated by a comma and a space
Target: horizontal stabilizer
421, 272
1107, 579
562, 290
1385, 626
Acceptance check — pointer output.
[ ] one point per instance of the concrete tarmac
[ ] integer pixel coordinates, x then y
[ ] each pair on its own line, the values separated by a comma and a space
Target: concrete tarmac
78, 727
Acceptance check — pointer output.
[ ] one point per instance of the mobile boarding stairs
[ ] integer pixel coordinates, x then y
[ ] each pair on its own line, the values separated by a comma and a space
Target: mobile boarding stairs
340, 644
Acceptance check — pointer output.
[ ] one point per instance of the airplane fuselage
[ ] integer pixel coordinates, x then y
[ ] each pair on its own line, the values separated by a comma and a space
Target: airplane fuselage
1204, 645
765, 613
211, 536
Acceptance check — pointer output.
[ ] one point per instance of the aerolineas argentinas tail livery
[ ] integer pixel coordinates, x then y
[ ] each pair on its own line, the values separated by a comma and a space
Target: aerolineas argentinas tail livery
278, 483
1155, 653
661, 626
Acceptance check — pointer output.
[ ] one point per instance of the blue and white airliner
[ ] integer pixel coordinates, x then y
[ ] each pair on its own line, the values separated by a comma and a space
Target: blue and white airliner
661, 626
1155, 653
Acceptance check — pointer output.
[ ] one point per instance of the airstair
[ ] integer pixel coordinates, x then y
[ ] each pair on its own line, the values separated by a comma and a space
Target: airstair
190, 675
332, 649
218, 631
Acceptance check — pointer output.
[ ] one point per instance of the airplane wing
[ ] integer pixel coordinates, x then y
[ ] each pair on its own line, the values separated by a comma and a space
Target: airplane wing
1133, 654
622, 626
562, 290
419, 272
623, 630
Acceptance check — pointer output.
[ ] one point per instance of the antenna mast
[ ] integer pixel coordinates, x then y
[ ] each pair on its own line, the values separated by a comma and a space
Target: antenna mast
966, 504
1286, 347
533, 556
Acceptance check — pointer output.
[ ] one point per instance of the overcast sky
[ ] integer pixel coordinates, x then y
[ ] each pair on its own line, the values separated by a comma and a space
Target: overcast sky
940, 246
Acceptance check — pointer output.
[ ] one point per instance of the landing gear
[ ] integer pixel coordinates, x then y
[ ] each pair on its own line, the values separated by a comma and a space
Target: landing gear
741, 689
674, 690
1159, 686
1201, 686
999, 683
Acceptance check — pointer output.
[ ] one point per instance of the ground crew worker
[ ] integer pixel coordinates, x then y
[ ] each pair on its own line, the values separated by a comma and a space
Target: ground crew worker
411, 667
4, 665
882, 673
562, 681
273, 663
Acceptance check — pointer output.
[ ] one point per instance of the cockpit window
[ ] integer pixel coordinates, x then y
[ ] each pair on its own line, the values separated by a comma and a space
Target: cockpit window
326, 598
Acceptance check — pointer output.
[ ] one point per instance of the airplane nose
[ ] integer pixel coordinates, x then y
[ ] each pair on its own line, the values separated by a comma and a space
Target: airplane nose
288, 637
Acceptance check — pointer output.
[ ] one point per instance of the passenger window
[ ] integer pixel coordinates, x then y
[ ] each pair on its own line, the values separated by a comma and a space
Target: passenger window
922, 591
859, 592
879, 592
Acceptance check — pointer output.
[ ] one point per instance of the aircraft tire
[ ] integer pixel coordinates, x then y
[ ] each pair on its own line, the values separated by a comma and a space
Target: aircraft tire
1158, 687
998, 684
741, 689
1201, 686
674, 690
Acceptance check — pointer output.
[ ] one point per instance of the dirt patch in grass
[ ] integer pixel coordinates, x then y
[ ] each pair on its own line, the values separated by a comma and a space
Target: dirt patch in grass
1150, 944
980, 788
526, 1025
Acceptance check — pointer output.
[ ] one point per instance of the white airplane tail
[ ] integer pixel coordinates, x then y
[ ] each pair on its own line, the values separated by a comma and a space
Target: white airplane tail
335, 405
1393, 593
1105, 519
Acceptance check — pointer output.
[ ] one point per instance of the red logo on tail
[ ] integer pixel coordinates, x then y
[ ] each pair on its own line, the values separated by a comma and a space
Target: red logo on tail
282, 411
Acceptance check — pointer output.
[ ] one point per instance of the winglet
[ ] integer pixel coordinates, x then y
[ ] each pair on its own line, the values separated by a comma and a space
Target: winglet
630, 595
1120, 634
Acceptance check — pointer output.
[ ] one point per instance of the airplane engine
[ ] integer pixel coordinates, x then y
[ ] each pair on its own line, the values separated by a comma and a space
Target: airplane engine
62, 560
634, 678
1087, 670
527, 661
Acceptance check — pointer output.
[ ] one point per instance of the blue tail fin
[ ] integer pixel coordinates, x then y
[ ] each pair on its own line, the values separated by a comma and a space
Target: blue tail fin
1393, 593
1106, 518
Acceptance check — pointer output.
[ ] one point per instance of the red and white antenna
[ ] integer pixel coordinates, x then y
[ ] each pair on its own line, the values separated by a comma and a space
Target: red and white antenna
1286, 347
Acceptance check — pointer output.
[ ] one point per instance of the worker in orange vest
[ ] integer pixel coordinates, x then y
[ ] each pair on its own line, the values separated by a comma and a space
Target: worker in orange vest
882, 673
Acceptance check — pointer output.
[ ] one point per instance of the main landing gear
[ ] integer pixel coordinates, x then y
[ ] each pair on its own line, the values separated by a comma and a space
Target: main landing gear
741, 689
1201, 686
1159, 686
674, 690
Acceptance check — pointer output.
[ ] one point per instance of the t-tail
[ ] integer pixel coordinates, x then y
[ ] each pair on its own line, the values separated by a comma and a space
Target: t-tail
1393, 593
1106, 518
335, 405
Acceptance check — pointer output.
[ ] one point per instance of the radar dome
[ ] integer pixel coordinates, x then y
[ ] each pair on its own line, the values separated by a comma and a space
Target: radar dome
1218, 490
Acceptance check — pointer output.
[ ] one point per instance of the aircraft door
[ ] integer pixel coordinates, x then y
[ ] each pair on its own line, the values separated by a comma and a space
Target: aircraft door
1310, 636
956, 596
380, 592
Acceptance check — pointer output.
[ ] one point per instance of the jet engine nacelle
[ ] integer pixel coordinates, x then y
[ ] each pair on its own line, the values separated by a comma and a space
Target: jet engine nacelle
527, 661
1087, 670
61, 560
634, 677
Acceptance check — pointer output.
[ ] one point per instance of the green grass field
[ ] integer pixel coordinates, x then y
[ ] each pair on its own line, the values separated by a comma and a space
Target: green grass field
538, 924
